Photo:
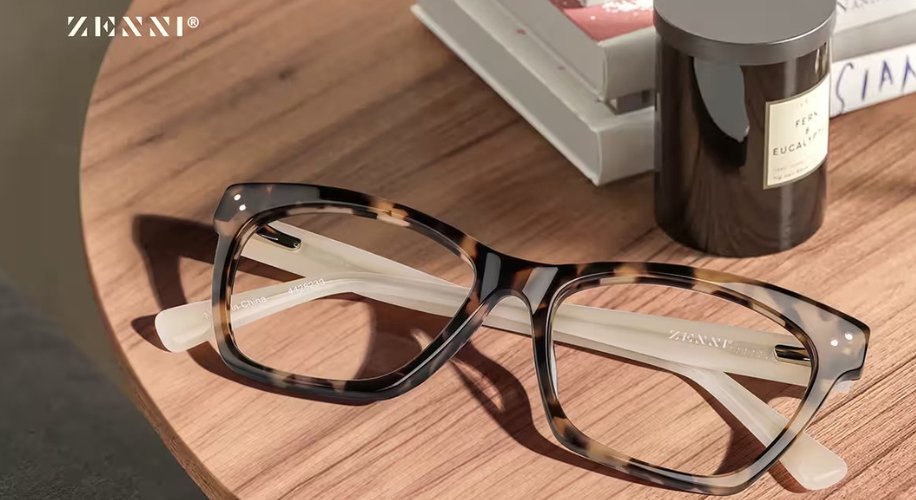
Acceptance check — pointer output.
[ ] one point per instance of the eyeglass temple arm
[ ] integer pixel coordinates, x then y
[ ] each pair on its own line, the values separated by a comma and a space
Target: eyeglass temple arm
742, 351
813, 465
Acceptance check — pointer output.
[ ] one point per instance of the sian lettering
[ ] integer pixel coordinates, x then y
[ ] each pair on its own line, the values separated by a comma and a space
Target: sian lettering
857, 82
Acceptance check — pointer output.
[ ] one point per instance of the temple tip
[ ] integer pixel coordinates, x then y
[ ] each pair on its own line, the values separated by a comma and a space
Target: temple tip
812, 464
183, 327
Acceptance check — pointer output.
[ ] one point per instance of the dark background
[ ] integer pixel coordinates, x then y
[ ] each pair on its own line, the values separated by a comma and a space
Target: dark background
68, 428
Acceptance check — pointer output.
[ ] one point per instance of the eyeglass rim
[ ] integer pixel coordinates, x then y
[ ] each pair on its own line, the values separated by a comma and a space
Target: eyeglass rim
244, 206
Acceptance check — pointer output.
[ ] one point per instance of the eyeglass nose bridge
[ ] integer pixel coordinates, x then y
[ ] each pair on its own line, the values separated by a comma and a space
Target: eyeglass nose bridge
502, 275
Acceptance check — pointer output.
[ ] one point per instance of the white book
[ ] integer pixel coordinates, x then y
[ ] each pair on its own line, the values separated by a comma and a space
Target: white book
871, 79
849, 13
603, 145
610, 44
855, 13
874, 37
611, 62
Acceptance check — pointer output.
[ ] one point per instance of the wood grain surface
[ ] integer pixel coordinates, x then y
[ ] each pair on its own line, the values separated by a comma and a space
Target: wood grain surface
360, 95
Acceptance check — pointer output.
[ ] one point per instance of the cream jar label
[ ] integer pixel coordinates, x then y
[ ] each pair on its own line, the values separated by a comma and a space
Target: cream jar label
796, 135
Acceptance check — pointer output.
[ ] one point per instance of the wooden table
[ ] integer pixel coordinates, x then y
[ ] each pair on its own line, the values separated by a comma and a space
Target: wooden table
361, 96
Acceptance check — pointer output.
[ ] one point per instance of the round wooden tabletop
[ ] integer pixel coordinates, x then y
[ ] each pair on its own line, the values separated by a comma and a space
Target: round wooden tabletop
360, 95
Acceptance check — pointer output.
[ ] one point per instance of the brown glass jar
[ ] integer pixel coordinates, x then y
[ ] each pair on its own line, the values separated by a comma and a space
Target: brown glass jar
742, 114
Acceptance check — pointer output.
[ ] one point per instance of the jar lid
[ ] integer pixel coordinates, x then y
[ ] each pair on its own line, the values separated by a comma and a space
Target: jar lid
745, 32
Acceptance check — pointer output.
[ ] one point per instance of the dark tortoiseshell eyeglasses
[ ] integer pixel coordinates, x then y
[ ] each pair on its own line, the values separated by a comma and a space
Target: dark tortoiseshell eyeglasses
693, 379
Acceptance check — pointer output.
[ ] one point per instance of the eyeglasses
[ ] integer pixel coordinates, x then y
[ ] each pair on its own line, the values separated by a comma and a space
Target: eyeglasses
693, 379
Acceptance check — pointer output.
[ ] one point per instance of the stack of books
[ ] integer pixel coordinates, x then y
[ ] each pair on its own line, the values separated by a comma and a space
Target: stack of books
582, 71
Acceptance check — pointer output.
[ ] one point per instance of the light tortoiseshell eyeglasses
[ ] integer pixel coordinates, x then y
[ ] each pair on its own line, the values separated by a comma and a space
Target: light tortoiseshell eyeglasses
693, 379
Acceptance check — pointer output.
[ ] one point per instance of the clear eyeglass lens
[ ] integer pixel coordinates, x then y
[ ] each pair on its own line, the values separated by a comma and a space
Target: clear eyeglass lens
640, 403
298, 304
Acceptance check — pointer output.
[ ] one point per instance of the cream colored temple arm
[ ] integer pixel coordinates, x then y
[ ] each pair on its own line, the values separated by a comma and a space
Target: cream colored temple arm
599, 329
614, 332
719, 347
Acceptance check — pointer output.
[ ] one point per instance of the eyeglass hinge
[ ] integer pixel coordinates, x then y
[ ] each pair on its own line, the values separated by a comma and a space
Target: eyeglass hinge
793, 354
279, 237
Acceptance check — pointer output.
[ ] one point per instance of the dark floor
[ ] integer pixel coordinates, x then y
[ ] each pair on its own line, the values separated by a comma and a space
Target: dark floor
67, 431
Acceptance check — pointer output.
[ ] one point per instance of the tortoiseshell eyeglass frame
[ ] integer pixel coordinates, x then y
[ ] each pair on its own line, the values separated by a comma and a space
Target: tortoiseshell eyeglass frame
246, 209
